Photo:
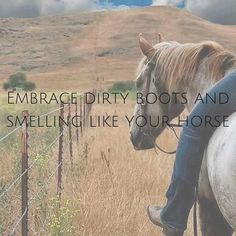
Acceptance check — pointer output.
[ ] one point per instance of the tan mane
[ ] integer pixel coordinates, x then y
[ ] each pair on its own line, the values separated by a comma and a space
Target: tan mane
178, 63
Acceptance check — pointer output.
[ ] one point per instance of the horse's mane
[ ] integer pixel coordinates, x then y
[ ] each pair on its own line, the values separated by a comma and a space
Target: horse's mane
178, 63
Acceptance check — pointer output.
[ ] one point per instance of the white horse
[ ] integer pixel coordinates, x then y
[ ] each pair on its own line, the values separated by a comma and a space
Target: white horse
193, 68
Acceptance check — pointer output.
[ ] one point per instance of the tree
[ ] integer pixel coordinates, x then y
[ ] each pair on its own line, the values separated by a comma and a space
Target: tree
18, 80
122, 86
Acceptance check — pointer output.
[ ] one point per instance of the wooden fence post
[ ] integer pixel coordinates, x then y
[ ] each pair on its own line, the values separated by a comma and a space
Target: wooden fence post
84, 111
77, 124
60, 152
70, 134
24, 178
81, 114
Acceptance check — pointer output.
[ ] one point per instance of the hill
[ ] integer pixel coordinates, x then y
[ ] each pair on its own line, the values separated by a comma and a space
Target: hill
95, 49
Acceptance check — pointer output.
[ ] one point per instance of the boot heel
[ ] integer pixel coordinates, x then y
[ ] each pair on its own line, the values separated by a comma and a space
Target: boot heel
168, 233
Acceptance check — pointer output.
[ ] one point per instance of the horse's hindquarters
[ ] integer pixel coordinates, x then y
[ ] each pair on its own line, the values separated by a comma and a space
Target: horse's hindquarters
221, 165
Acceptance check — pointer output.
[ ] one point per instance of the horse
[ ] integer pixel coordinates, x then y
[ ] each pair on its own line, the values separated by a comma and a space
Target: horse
192, 68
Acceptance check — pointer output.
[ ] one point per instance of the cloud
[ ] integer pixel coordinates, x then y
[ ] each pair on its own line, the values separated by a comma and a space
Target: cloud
34, 8
165, 2
218, 11
159, 2
17, 8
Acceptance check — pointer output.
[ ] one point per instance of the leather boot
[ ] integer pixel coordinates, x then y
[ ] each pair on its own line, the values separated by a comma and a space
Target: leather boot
154, 214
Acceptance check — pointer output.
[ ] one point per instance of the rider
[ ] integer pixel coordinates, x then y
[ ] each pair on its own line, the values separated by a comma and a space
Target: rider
181, 193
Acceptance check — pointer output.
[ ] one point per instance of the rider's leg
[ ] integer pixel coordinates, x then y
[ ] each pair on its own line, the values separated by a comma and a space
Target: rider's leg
181, 193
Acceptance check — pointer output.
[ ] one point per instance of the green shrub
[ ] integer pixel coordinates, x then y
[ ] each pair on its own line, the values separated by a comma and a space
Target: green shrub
122, 86
18, 81
60, 220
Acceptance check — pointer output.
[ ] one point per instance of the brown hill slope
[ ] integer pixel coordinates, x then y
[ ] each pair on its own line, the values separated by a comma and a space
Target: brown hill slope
95, 49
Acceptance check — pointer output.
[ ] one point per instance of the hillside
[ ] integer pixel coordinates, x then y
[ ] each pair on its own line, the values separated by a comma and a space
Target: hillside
94, 49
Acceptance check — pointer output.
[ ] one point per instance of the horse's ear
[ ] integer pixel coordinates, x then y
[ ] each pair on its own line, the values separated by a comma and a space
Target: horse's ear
160, 38
228, 61
205, 50
146, 48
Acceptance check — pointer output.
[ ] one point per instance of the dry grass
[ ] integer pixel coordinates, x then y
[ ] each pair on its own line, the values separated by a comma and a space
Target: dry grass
116, 183
107, 190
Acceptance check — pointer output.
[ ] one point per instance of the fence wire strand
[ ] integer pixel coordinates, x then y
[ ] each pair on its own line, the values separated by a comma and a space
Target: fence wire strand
18, 127
36, 196
11, 132
46, 184
18, 222
31, 165
49, 177
48, 113
53, 173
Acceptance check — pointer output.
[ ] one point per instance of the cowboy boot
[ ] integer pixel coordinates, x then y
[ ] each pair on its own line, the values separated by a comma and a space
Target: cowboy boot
154, 214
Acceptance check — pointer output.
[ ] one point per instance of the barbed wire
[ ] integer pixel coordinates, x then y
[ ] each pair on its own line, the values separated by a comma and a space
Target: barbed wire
11, 132
37, 195
45, 185
18, 222
50, 176
48, 113
31, 165
51, 112
18, 127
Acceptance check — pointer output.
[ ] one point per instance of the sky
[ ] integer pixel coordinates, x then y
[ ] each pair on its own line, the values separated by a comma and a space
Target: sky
218, 11
129, 2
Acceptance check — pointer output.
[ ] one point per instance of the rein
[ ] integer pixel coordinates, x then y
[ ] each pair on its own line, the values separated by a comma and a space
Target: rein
151, 66
171, 126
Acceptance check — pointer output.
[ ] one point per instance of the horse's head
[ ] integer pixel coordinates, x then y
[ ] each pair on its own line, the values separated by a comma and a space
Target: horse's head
169, 68
143, 134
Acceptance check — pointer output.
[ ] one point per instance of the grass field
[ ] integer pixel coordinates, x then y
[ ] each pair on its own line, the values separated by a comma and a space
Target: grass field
107, 190
96, 49
117, 183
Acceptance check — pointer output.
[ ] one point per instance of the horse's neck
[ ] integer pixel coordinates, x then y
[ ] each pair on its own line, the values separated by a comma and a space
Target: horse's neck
200, 85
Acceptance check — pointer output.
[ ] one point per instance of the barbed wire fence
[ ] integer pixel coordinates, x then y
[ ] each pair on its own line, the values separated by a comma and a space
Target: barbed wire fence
21, 224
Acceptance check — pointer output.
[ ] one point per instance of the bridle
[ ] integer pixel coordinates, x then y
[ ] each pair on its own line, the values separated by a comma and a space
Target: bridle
167, 109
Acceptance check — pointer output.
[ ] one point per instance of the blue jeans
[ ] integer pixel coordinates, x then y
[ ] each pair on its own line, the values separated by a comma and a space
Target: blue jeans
190, 150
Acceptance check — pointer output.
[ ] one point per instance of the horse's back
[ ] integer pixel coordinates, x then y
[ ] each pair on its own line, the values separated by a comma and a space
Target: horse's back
221, 165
